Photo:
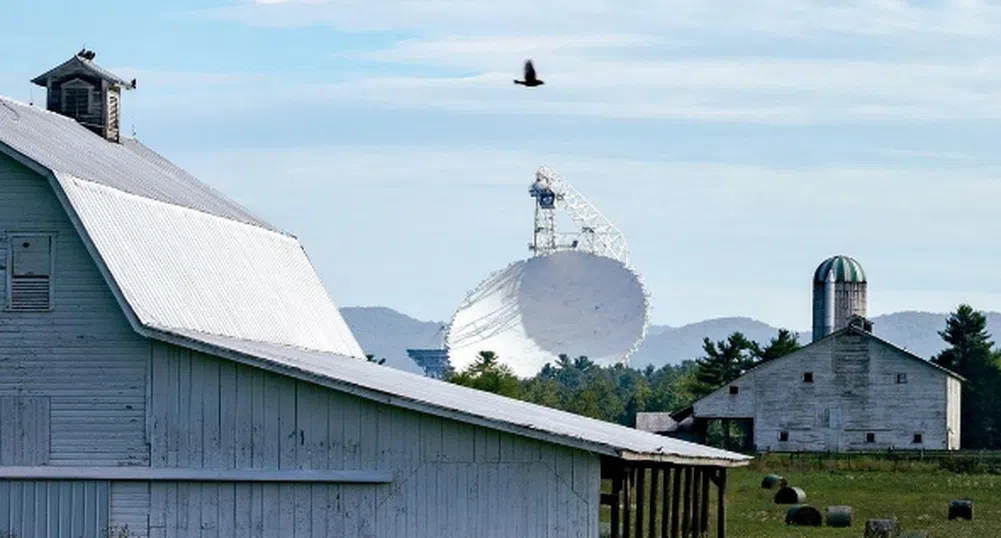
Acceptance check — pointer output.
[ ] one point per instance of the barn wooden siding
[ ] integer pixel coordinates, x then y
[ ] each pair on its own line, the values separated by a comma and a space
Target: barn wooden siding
854, 392
54, 509
449, 479
665, 501
73, 380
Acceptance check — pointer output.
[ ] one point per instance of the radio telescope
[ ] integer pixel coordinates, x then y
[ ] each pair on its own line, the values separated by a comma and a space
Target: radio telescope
575, 295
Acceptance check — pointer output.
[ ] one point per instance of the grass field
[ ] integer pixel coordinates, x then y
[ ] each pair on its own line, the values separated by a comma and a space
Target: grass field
916, 493
918, 498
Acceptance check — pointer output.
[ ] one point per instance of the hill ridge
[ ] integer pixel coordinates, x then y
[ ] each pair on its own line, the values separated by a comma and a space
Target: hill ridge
388, 333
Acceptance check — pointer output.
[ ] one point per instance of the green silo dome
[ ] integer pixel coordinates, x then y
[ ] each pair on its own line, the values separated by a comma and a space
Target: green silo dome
844, 268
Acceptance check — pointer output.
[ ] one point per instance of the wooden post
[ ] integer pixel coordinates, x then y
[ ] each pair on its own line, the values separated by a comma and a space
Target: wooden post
721, 506
640, 500
676, 502
696, 500
617, 504
654, 475
704, 524
665, 506
627, 500
686, 513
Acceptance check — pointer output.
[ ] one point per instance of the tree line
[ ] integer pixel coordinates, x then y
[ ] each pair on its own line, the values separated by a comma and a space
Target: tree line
616, 393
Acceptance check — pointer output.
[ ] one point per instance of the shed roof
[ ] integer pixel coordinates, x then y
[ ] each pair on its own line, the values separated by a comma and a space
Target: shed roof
190, 267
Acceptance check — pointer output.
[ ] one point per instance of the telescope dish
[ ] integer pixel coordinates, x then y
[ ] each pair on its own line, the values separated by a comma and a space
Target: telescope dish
569, 302
576, 295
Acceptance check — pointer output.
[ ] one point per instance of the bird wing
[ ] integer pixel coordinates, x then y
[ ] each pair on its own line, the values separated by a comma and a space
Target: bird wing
529, 70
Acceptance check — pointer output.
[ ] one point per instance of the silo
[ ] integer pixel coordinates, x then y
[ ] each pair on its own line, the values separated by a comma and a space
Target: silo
839, 292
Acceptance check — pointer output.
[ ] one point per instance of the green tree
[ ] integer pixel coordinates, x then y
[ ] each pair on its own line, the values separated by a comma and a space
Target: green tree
782, 344
723, 362
971, 355
487, 373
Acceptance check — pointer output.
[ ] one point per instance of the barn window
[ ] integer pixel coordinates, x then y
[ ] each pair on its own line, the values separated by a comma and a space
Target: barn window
870, 437
901, 378
734, 389
807, 377
917, 438
29, 272
783, 436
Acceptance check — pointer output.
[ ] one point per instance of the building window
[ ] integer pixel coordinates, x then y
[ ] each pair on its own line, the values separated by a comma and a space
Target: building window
917, 438
870, 437
29, 272
734, 389
807, 377
783, 436
901, 378
76, 98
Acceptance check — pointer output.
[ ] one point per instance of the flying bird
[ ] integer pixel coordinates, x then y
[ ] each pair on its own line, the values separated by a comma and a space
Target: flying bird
530, 79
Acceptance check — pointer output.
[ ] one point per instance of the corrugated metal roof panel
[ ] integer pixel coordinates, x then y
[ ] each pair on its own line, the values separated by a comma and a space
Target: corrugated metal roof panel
63, 145
432, 394
185, 269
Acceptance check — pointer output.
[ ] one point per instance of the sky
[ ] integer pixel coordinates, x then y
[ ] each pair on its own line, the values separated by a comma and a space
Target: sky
735, 144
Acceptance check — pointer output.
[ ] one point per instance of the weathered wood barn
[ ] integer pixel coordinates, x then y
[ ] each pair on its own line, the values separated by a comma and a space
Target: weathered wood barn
172, 364
848, 391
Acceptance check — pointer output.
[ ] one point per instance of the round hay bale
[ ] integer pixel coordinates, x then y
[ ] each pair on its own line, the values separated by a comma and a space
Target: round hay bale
789, 495
803, 515
961, 509
770, 481
839, 516
881, 528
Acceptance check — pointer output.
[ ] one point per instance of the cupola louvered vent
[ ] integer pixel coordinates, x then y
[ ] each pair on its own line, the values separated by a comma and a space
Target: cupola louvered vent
30, 276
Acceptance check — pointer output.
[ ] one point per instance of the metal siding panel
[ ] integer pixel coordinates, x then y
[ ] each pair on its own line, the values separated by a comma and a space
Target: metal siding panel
51, 508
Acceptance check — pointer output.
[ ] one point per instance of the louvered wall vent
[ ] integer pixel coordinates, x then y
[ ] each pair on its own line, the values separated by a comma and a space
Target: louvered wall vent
30, 273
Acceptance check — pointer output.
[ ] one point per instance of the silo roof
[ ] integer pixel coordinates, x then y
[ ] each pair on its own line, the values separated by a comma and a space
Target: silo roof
844, 269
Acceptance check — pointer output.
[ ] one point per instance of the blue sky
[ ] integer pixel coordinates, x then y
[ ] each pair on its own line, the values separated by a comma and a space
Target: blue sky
736, 147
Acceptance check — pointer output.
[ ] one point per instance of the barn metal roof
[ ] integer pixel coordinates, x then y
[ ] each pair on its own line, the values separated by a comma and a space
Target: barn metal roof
176, 253
424, 394
62, 145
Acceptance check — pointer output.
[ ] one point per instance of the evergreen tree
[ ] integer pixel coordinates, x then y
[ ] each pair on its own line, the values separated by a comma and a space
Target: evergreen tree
488, 374
971, 355
723, 362
783, 344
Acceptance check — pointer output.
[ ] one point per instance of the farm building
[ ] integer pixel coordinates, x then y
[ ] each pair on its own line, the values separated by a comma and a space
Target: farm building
846, 391
172, 364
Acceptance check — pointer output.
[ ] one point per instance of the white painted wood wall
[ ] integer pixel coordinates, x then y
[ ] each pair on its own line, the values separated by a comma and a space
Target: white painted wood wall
854, 392
92, 373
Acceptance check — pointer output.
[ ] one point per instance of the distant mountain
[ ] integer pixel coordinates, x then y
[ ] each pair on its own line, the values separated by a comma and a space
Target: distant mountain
387, 333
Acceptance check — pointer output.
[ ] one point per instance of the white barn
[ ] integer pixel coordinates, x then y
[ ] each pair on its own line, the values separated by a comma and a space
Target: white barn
848, 391
171, 364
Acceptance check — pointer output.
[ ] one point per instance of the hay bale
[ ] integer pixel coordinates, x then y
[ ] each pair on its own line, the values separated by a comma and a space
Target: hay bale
789, 495
961, 509
882, 528
915, 534
770, 481
839, 516
803, 515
